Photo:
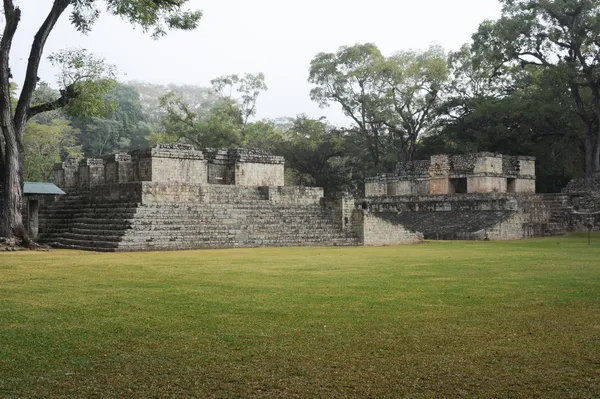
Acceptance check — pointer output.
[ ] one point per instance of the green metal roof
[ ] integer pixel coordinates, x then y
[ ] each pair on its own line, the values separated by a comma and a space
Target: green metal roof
35, 188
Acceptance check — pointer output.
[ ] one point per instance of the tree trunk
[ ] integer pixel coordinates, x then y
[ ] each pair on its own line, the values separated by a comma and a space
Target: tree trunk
596, 156
11, 222
589, 152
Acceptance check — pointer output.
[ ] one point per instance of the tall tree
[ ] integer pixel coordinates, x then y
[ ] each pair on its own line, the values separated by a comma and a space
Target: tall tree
391, 101
563, 35
351, 78
156, 16
46, 144
316, 151
249, 87
415, 80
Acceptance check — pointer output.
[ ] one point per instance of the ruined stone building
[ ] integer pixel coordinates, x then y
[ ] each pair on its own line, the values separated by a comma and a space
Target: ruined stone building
176, 197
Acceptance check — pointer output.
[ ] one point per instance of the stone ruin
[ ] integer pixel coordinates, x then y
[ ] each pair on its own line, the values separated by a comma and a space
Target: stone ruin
459, 174
177, 197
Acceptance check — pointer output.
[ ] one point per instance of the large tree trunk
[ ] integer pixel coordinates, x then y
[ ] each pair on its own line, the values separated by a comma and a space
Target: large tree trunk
11, 222
596, 155
596, 138
13, 124
589, 152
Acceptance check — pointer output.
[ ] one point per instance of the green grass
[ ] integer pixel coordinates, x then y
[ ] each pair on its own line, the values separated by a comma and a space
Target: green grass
442, 319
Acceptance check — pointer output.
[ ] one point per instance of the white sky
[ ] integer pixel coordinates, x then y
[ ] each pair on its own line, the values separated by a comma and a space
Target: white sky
279, 38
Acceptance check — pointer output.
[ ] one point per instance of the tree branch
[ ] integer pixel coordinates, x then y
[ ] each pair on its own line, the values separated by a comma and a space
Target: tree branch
35, 56
12, 16
66, 95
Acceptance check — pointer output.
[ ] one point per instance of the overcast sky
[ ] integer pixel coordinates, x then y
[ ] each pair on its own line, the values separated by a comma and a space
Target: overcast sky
279, 38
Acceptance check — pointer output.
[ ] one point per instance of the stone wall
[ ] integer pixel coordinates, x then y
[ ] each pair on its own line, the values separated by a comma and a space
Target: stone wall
175, 197
244, 167
170, 215
495, 216
584, 195
445, 175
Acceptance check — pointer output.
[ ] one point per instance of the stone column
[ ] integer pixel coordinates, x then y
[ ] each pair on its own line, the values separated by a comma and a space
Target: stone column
439, 174
33, 209
91, 173
118, 168
64, 174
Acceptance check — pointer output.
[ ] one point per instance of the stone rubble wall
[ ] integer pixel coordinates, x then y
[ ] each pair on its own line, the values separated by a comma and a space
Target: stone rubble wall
467, 216
584, 195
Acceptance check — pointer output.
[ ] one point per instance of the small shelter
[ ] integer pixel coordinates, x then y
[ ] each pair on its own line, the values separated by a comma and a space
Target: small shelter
34, 193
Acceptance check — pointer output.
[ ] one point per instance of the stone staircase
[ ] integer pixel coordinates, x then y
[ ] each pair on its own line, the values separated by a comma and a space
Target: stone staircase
556, 205
75, 221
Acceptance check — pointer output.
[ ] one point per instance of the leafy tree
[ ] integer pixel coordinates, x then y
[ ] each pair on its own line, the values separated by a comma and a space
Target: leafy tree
101, 136
198, 99
531, 115
220, 127
351, 78
391, 101
265, 135
151, 15
562, 35
415, 80
46, 144
224, 121
316, 152
249, 88
122, 128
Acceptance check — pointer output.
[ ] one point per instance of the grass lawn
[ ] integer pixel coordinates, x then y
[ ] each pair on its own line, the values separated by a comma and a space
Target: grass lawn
442, 319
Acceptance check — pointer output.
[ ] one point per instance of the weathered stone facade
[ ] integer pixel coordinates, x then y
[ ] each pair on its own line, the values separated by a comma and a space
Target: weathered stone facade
176, 197
459, 174
584, 200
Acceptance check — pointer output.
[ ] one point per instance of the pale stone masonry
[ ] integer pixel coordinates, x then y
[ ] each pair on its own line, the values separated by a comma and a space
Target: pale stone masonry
177, 197
459, 174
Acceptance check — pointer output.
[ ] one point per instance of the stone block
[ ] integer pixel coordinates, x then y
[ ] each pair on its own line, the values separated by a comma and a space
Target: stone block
488, 164
170, 163
118, 168
439, 186
486, 184
91, 173
64, 174
525, 186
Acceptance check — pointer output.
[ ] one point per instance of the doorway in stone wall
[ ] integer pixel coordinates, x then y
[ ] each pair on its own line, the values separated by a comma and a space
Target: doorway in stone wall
458, 186
511, 185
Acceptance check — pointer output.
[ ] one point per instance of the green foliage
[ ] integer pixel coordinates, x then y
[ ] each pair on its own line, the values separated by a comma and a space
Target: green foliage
317, 155
151, 15
535, 118
86, 80
220, 127
220, 122
103, 136
562, 35
391, 101
248, 87
46, 144
264, 135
